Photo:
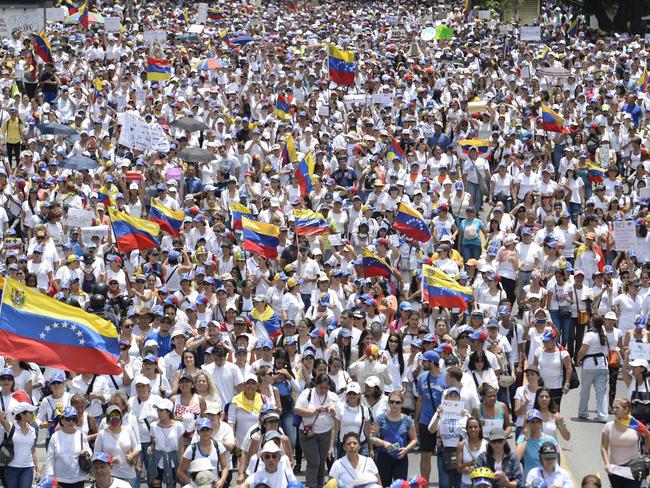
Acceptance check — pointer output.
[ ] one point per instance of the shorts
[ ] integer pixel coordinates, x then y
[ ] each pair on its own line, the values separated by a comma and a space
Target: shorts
427, 439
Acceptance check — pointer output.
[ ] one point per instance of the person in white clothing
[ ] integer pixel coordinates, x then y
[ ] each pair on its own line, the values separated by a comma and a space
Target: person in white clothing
593, 356
351, 466
271, 476
66, 445
19, 472
103, 473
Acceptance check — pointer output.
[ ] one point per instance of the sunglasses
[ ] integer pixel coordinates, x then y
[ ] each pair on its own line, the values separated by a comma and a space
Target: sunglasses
271, 456
498, 441
395, 402
70, 419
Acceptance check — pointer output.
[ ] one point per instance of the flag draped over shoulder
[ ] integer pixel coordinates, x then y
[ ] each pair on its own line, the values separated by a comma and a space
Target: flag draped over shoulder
441, 290
342, 68
158, 69
238, 211
304, 174
373, 265
411, 223
132, 233
634, 424
169, 220
551, 121
37, 328
289, 154
268, 319
310, 223
42, 47
583, 248
261, 238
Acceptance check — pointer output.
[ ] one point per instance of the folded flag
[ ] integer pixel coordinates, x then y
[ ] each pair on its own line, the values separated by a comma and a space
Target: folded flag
411, 223
289, 154
310, 223
169, 220
282, 108
305, 173
595, 174
133, 233
642, 83
551, 121
261, 238
481, 145
341, 66
395, 151
634, 424
268, 320
373, 265
238, 211
158, 69
37, 328
42, 47
441, 290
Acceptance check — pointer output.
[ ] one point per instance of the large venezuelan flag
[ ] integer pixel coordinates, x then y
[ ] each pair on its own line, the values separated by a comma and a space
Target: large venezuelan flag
481, 145
373, 265
42, 47
261, 238
551, 121
282, 108
169, 220
440, 290
238, 211
37, 328
305, 173
310, 223
411, 223
289, 154
596, 174
269, 321
132, 233
341, 66
158, 69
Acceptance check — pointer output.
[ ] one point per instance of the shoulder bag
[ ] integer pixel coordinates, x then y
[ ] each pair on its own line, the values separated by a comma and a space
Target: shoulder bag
7, 447
84, 458
574, 381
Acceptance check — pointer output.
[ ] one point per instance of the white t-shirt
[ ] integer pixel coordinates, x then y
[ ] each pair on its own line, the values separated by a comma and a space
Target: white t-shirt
592, 340
550, 367
167, 438
226, 378
352, 419
342, 469
279, 479
629, 308
23, 444
324, 422
194, 451
519, 395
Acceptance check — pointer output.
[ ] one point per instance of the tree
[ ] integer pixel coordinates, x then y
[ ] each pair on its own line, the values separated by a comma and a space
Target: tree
626, 19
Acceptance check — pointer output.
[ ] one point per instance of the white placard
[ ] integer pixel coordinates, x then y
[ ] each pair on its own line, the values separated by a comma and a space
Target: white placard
141, 95
625, 235
112, 24
530, 33
324, 111
137, 134
647, 38
393, 240
479, 107
452, 408
525, 72
150, 37
484, 14
196, 29
622, 471
335, 239
202, 13
644, 193
100, 231
359, 99
26, 20
393, 19
640, 350
383, 99
55, 14
79, 218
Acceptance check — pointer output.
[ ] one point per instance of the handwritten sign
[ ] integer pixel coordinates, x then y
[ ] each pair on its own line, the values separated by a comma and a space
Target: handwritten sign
452, 408
530, 33
625, 235
112, 24
644, 193
335, 239
640, 350
383, 99
139, 135
141, 95
87, 233
196, 29
78, 218
351, 99
26, 20
392, 19
54, 14
153, 36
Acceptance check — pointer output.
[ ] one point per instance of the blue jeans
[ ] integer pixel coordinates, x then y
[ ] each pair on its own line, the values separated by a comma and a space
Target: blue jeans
563, 324
18, 477
470, 251
286, 420
446, 479
474, 189
599, 379
145, 458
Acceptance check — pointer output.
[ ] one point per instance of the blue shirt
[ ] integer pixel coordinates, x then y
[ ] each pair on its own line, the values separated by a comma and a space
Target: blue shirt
478, 223
635, 111
531, 456
430, 388
164, 342
441, 140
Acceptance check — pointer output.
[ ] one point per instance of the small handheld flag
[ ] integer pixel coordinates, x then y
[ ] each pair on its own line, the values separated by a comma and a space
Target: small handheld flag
158, 69
551, 121
411, 223
310, 223
42, 47
238, 211
305, 173
133, 233
373, 265
282, 108
169, 220
481, 145
289, 154
441, 290
342, 68
261, 238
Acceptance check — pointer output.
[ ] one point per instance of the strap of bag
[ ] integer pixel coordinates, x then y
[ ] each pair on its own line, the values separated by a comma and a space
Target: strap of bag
90, 385
363, 419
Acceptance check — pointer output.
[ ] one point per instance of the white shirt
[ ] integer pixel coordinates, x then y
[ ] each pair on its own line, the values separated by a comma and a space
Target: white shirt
62, 457
226, 378
342, 469
23, 444
310, 398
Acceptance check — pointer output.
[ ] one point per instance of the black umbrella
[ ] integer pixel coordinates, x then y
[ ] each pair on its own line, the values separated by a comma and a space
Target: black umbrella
188, 123
56, 129
79, 162
196, 155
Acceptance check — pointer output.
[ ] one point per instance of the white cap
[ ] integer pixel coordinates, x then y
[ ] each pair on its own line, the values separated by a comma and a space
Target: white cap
372, 381
353, 387
133, 186
270, 448
23, 407
249, 377
165, 404
611, 315
141, 380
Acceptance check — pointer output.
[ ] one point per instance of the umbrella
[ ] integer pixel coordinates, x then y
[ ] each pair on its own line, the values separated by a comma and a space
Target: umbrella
196, 155
188, 123
93, 18
210, 63
241, 40
79, 162
56, 129
554, 72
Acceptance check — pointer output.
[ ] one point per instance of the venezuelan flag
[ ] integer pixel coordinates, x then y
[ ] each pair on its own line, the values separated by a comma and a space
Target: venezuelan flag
373, 265
440, 290
289, 154
42, 47
35, 327
467, 7
634, 424
411, 223
304, 174
238, 211
158, 69
214, 14
132, 233
104, 196
261, 238
642, 83
310, 223
183, 16
596, 174
551, 121
72, 7
84, 18
270, 324
481, 145
341, 66
582, 248
282, 108
169, 220
572, 30
395, 151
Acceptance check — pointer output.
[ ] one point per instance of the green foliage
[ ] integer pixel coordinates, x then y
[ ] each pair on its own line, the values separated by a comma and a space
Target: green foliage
488, 4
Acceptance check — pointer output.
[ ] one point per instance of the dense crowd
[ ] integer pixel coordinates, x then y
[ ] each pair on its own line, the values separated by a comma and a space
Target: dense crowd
364, 372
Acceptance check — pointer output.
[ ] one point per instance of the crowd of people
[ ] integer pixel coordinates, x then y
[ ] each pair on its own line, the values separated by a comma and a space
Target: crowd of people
364, 371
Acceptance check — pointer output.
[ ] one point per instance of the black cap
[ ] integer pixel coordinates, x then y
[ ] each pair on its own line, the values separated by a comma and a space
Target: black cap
548, 451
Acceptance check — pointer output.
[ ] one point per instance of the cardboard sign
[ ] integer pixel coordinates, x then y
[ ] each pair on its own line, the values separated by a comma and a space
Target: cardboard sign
525, 72
383, 99
625, 235
452, 408
112, 24
196, 29
137, 134
202, 13
640, 350
79, 218
26, 20
100, 231
530, 33
153, 36
335, 239
55, 14
393, 19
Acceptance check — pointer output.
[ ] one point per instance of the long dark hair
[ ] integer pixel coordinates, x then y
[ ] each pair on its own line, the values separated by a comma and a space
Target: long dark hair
399, 351
476, 356
490, 452
552, 407
597, 326
345, 352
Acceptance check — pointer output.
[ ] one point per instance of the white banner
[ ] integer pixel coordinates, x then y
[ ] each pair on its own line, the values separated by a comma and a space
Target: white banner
139, 135
112, 24
625, 235
100, 231
530, 33
79, 218
384, 99
202, 14
640, 350
26, 20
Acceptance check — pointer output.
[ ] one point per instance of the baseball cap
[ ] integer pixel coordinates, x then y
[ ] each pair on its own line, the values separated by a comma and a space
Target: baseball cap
534, 414
432, 356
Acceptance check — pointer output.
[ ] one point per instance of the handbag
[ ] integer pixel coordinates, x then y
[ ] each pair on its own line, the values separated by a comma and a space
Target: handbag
84, 459
613, 357
574, 381
584, 317
564, 310
7, 447
449, 459
640, 403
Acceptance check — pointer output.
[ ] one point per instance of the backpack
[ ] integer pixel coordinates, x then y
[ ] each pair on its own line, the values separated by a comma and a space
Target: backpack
470, 232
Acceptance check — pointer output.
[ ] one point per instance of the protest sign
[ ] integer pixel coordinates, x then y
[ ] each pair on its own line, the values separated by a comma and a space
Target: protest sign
484, 14
335, 239
360, 99
640, 350
644, 193
384, 99
78, 218
625, 235
55, 14
26, 20
452, 408
112, 24
202, 13
530, 33
152, 36
138, 134
100, 231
